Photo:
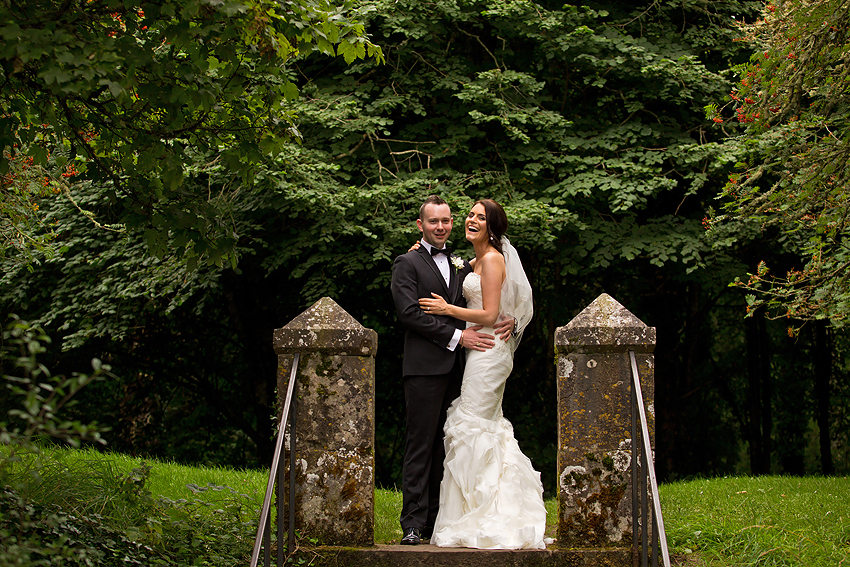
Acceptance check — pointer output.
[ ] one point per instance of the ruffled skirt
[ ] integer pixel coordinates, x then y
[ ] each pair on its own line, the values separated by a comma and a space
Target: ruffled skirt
490, 497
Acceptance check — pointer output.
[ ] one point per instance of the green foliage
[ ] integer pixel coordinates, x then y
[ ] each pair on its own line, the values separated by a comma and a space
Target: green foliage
83, 512
38, 535
22, 229
143, 97
585, 122
573, 110
42, 533
793, 98
35, 398
106, 295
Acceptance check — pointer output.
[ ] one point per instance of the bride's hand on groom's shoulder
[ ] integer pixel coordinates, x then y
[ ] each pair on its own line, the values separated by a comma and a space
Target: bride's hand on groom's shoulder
415, 246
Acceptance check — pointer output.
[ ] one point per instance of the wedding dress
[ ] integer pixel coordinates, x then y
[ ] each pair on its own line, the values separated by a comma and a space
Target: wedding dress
490, 496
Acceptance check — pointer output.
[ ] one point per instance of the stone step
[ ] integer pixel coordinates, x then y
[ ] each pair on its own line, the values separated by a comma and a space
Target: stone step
432, 556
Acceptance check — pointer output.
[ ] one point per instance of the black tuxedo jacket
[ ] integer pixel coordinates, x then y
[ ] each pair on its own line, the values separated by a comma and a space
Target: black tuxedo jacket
426, 336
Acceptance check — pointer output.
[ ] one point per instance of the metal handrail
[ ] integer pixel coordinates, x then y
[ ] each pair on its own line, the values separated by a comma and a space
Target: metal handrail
647, 471
264, 529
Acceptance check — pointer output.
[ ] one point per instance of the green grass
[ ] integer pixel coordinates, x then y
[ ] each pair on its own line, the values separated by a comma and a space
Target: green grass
741, 521
387, 509
112, 507
176, 481
763, 521
171, 481
90, 470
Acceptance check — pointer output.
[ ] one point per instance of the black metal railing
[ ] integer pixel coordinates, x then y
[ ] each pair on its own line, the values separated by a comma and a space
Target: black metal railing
263, 539
642, 517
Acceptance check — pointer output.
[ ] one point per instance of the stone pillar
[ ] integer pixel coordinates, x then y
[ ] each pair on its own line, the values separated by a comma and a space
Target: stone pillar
594, 421
335, 422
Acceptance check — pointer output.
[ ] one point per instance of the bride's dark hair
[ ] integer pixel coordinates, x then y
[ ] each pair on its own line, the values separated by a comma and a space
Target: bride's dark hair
497, 221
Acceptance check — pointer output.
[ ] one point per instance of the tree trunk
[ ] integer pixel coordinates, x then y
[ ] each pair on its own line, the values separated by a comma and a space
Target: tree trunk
248, 299
759, 418
823, 373
767, 395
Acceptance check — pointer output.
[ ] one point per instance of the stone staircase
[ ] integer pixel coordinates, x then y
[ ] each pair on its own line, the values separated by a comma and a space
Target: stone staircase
598, 354
431, 556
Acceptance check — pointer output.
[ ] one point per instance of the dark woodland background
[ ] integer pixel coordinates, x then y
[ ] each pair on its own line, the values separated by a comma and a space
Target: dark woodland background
587, 123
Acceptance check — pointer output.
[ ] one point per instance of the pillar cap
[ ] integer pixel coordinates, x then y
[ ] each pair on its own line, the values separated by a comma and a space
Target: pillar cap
325, 327
605, 326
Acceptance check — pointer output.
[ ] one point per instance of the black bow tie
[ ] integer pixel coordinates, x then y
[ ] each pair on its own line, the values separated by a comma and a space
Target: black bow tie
445, 251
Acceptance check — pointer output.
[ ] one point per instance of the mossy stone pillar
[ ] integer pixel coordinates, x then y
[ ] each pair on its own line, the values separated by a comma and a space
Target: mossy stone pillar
335, 422
594, 421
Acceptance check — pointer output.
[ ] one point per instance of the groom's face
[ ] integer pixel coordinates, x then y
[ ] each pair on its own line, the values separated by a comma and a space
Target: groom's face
435, 224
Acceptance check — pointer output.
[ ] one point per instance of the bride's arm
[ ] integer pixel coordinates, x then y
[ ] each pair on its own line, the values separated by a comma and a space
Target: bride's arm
492, 274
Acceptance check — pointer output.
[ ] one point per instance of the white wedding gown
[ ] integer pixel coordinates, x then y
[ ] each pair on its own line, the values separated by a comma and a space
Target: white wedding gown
490, 497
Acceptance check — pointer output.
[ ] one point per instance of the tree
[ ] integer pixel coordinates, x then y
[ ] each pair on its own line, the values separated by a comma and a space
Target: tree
794, 98
587, 123
145, 97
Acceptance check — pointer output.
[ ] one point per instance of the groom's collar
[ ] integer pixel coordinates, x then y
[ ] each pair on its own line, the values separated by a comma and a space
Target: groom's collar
427, 245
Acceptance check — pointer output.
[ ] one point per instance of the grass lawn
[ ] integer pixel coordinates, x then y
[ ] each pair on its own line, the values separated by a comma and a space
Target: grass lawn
740, 521
769, 520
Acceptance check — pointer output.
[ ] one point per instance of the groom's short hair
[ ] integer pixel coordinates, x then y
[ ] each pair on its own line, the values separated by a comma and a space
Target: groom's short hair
431, 200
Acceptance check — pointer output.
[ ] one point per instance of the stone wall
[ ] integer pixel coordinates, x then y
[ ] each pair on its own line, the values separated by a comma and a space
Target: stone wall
335, 422
594, 421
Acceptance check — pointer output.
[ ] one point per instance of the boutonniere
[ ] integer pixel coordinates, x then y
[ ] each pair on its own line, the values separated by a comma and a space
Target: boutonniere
457, 262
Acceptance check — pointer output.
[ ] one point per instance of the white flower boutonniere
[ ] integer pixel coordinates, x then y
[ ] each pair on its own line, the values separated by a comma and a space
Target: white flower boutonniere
457, 262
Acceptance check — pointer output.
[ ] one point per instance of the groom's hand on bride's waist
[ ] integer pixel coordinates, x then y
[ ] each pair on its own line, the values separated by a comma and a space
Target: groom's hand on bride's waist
472, 339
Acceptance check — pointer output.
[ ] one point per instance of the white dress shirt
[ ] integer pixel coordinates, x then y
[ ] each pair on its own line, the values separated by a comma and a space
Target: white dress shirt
442, 261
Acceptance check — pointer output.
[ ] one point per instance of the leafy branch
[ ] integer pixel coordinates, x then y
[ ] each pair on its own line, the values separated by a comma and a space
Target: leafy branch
41, 396
793, 98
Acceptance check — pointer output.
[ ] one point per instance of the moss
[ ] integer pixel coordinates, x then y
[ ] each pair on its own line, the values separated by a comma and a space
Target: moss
349, 489
326, 366
579, 478
303, 379
608, 463
586, 527
324, 393
356, 515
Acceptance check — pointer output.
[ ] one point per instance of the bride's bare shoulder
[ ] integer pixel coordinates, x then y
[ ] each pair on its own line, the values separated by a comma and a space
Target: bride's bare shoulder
493, 258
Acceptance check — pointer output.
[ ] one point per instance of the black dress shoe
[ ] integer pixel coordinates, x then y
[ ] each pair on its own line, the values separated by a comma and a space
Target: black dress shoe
412, 536
427, 532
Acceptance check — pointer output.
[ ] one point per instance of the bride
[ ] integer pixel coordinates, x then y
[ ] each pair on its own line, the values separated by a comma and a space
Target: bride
490, 496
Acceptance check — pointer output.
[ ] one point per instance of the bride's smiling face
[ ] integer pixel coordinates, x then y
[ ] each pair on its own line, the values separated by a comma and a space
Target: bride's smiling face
476, 224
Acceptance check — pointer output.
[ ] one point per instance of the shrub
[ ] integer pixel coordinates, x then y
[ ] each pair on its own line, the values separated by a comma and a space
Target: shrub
56, 511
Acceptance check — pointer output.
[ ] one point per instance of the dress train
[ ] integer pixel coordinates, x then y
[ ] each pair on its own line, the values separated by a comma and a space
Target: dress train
490, 497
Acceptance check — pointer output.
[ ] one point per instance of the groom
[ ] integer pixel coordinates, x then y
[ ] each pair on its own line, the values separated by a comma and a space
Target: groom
433, 359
